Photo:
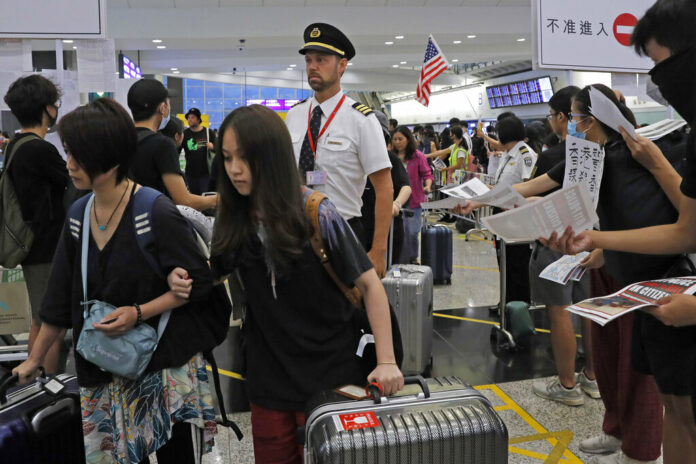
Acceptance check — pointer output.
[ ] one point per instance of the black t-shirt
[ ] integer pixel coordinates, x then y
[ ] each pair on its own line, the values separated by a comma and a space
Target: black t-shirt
688, 185
120, 275
298, 329
629, 198
40, 179
155, 157
547, 160
196, 151
399, 178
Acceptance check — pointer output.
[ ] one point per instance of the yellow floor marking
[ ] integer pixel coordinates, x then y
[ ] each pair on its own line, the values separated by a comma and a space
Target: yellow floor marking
474, 268
231, 374
556, 439
480, 321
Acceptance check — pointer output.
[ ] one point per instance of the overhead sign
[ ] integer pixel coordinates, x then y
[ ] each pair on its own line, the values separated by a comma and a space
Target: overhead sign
54, 19
593, 35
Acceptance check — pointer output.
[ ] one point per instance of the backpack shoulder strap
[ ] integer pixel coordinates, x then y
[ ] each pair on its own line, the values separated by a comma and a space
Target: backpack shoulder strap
312, 211
10, 155
75, 216
142, 221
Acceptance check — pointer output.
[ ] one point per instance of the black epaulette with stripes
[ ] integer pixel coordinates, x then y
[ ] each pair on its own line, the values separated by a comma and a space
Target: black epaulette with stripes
366, 110
524, 150
299, 103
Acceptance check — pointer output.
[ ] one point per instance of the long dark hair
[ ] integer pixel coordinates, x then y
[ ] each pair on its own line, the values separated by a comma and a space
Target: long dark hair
411, 145
264, 142
582, 99
458, 132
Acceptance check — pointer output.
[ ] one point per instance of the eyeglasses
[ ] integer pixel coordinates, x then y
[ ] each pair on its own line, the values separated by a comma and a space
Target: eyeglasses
579, 115
550, 116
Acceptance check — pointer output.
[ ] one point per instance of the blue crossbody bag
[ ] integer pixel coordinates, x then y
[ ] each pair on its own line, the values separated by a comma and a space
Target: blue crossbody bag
125, 355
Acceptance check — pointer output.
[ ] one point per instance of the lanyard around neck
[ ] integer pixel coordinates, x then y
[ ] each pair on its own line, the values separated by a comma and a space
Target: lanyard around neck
312, 143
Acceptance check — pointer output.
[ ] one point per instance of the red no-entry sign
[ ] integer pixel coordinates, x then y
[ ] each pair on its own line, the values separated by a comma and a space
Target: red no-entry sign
623, 28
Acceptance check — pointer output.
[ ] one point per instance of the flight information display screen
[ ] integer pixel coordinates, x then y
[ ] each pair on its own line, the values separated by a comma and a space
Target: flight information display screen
529, 92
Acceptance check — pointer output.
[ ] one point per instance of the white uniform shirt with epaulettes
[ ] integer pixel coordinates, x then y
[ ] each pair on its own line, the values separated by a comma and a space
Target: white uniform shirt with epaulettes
351, 149
516, 165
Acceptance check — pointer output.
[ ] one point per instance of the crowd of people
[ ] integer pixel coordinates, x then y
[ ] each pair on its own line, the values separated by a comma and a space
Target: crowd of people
374, 176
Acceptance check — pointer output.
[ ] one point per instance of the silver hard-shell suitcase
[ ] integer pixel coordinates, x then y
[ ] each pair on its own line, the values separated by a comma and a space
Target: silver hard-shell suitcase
410, 292
445, 421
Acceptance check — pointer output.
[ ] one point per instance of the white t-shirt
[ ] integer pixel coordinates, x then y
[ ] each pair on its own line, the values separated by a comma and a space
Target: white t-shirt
516, 165
351, 148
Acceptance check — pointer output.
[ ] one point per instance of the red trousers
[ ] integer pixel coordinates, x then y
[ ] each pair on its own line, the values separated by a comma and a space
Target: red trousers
633, 407
275, 435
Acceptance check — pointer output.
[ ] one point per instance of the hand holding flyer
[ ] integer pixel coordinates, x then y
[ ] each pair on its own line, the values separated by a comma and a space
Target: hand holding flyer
635, 296
502, 195
565, 269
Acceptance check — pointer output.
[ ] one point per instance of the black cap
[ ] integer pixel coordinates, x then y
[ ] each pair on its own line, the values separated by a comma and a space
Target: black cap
325, 38
146, 94
196, 112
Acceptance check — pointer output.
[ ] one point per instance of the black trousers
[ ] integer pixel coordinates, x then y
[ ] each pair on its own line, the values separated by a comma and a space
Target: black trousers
185, 446
359, 230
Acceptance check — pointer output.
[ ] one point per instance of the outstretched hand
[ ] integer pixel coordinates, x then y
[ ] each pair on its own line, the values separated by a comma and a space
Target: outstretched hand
568, 243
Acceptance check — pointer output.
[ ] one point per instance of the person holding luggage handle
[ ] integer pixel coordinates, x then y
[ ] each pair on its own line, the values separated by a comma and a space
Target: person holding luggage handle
169, 410
298, 327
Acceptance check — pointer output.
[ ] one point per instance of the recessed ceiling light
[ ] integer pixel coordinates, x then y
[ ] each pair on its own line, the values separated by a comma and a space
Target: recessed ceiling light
176, 72
403, 62
293, 65
174, 69
395, 66
455, 61
68, 41
161, 46
157, 41
471, 36
388, 43
456, 41
350, 64
74, 47
399, 37
521, 39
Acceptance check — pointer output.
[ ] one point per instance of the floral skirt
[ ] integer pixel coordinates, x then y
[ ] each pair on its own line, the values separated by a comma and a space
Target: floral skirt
127, 420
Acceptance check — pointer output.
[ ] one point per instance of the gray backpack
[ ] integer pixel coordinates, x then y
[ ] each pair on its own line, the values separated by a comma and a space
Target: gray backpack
16, 237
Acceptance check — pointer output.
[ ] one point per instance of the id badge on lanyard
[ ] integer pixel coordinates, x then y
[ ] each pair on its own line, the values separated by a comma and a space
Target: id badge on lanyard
318, 176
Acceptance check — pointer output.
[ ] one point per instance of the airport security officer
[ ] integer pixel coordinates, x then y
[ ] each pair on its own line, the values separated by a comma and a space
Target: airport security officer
518, 160
338, 142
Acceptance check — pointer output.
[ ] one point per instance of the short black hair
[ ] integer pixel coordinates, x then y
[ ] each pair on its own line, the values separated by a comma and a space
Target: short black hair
100, 136
504, 114
174, 126
670, 23
561, 100
394, 123
455, 122
28, 97
417, 129
510, 129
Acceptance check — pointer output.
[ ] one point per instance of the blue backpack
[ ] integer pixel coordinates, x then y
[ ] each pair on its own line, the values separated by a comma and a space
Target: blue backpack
214, 320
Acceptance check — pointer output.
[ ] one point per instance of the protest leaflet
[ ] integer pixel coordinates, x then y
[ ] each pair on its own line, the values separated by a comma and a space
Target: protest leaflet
635, 296
603, 109
502, 195
439, 164
570, 206
584, 163
565, 269
660, 129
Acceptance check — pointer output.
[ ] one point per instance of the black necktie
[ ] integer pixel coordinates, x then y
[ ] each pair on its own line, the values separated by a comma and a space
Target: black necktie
306, 155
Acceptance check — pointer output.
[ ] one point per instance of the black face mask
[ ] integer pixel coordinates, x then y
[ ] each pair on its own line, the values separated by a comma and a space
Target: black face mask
676, 79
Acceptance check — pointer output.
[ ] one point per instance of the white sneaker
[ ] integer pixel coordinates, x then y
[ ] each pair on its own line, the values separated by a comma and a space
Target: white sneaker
588, 386
619, 458
600, 444
554, 391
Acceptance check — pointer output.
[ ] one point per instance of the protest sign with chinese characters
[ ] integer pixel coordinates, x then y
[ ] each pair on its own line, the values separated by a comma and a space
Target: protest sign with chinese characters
584, 163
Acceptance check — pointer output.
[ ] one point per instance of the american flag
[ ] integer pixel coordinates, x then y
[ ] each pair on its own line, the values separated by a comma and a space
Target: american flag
434, 64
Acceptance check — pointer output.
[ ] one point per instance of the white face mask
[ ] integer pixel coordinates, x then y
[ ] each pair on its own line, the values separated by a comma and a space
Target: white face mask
653, 92
165, 120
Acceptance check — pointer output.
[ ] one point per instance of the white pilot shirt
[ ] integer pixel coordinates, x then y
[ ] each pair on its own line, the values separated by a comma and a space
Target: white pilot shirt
516, 165
351, 148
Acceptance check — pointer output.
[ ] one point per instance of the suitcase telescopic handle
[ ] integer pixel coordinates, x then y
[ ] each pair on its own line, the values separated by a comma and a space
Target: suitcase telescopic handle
375, 392
12, 380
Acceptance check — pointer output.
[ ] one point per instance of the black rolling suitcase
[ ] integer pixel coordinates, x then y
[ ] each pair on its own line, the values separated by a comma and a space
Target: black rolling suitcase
436, 251
443, 421
41, 422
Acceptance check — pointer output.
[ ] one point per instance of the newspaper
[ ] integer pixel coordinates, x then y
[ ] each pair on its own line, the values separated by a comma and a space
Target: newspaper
565, 269
447, 203
570, 206
635, 296
584, 163
502, 195
603, 109
439, 164
660, 129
